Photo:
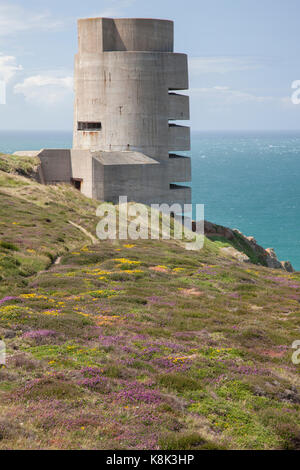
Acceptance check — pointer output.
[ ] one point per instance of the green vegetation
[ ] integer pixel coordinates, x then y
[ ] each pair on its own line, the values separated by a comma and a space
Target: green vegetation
23, 166
141, 345
240, 244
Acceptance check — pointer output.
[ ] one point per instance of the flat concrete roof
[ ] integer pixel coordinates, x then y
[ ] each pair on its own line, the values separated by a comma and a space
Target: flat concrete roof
27, 153
124, 158
125, 19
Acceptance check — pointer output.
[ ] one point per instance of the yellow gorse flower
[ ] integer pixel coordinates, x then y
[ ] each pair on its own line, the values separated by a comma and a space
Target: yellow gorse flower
53, 313
133, 271
36, 297
126, 261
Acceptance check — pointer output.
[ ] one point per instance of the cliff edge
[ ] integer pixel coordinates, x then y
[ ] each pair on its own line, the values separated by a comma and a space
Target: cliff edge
243, 248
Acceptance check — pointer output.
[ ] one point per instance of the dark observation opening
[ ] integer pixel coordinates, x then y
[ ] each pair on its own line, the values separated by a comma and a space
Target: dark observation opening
77, 182
89, 126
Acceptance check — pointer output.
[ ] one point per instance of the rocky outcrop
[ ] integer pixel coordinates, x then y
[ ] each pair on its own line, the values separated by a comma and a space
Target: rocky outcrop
212, 230
241, 257
272, 260
287, 266
245, 249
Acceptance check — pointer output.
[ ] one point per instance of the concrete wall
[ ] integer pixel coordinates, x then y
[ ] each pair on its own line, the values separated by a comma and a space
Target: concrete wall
98, 181
82, 167
147, 184
56, 165
128, 93
133, 181
133, 115
61, 165
125, 34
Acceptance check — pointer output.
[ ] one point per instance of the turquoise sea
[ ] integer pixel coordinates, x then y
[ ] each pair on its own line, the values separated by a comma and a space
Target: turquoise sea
249, 181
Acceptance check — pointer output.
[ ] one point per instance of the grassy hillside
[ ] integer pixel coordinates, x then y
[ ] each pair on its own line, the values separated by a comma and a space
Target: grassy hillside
137, 346
35, 222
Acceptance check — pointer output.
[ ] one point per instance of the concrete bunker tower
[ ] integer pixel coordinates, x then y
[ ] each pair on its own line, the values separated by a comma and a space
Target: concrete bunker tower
127, 79
126, 82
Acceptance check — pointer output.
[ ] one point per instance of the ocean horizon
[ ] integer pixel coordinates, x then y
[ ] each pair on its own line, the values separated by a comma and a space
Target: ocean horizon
247, 180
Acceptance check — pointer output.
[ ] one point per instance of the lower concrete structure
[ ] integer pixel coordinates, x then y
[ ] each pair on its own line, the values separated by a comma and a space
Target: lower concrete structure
106, 176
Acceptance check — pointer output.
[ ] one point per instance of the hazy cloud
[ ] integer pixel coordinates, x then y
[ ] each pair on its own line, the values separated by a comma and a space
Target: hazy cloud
15, 19
115, 8
226, 96
8, 67
45, 89
221, 65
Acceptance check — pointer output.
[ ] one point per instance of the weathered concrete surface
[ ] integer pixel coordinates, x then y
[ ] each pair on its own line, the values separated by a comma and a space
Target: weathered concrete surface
98, 35
179, 138
179, 168
179, 107
127, 93
82, 167
56, 165
136, 176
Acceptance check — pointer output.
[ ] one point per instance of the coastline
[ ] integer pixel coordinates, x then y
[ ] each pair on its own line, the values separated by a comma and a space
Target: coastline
224, 167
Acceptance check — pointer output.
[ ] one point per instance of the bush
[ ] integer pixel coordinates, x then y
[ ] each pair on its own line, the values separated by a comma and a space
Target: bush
9, 430
9, 246
49, 389
178, 382
185, 441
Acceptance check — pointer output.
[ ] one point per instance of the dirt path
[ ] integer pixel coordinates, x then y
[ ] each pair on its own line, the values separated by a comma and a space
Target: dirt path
83, 230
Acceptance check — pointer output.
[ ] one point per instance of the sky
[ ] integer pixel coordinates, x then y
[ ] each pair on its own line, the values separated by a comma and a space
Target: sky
243, 59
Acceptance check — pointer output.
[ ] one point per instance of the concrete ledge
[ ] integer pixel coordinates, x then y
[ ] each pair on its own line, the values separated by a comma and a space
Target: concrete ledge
179, 138
179, 107
176, 67
180, 194
179, 169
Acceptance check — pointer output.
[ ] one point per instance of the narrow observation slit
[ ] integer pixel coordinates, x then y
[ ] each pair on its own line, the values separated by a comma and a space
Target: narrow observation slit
89, 126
